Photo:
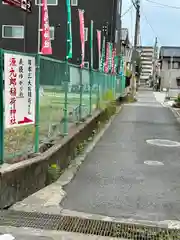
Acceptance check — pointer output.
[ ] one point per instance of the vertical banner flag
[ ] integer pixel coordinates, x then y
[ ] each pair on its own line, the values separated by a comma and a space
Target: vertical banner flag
103, 54
99, 46
113, 61
116, 59
110, 57
91, 43
25, 5
69, 30
46, 41
82, 37
107, 58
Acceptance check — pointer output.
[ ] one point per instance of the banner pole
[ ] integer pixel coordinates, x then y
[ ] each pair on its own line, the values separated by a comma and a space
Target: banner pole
37, 107
91, 69
39, 27
2, 108
81, 20
68, 56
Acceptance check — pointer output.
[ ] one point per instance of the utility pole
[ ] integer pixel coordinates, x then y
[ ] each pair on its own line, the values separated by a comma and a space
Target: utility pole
155, 60
120, 24
136, 38
170, 72
137, 23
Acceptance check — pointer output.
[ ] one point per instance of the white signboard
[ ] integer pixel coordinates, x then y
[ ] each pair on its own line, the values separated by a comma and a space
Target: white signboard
19, 74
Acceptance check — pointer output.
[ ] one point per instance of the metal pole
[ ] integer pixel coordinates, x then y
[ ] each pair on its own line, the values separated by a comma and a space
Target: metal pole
36, 143
170, 72
38, 59
112, 22
120, 33
39, 27
91, 68
68, 56
154, 59
137, 25
120, 36
2, 108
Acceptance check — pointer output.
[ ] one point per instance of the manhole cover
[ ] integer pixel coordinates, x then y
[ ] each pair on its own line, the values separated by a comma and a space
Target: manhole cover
163, 143
154, 163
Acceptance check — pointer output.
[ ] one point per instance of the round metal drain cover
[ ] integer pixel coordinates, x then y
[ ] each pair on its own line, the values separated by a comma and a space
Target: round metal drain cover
154, 163
163, 143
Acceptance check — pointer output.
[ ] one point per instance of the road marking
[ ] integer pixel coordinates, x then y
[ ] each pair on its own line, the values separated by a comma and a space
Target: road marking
163, 143
154, 163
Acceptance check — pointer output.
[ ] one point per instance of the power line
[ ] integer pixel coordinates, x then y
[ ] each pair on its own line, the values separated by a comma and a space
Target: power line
134, 4
131, 16
127, 11
150, 25
163, 5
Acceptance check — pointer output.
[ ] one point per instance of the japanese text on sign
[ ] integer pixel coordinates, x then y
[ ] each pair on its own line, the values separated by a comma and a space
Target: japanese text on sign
12, 91
19, 76
29, 86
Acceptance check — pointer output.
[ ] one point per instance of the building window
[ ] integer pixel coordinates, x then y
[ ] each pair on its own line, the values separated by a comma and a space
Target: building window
74, 2
86, 34
174, 65
49, 2
10, 31
52, 32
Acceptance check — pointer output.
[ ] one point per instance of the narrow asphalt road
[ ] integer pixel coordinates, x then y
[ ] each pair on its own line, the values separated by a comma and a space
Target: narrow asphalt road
115, 181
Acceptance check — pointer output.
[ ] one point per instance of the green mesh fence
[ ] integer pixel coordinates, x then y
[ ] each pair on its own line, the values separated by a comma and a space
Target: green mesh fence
107, 85
74, 95
120, 86
65, 95
52, 92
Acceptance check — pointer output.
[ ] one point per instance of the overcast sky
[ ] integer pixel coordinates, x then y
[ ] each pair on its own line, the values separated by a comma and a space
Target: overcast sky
163, 22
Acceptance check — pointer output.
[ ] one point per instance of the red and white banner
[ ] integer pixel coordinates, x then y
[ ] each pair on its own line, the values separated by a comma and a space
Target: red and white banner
82, 37
46, 48
113, 60
107, 59
25, 5
99, 46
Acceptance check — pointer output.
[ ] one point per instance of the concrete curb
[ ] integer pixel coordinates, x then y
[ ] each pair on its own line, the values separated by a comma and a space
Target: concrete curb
173, 110
176, 114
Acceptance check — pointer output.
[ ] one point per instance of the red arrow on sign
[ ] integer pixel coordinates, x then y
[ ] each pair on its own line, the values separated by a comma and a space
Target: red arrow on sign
26, 120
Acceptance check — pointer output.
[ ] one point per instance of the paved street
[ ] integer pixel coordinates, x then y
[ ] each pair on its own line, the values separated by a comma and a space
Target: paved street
114, 179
